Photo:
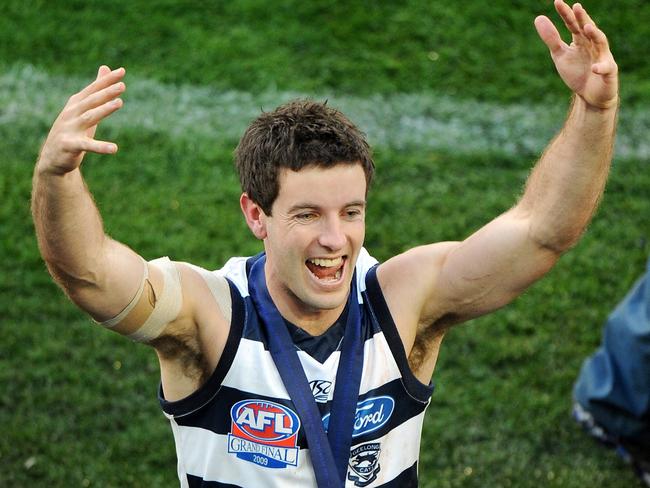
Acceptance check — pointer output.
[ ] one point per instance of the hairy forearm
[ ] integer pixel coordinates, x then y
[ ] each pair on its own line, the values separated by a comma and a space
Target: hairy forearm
99, 274
565, 186
68, 227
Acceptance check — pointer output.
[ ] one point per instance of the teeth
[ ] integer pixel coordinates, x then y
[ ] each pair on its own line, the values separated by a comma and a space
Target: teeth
327, 263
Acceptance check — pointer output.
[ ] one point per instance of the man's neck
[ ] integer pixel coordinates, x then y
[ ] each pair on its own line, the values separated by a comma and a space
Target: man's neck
313, 321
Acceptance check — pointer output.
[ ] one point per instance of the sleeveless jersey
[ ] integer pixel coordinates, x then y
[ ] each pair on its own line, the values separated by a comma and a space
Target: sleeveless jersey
240, 429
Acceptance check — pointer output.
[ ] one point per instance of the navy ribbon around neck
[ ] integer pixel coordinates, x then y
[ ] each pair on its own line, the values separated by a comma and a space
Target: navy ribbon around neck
329, 453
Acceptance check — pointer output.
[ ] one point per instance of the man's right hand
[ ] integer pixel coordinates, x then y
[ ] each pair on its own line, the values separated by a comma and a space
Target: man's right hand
73, 132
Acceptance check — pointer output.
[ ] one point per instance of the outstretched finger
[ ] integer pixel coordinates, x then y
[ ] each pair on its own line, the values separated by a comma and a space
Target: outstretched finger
103, 71
101, 82
95, 146
568, 16
582, 16
99, 98
80, 144
92, 117
549, 34
597, 37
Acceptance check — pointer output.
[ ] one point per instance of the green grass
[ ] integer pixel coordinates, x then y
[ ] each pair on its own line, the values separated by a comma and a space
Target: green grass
78, 404
487, 51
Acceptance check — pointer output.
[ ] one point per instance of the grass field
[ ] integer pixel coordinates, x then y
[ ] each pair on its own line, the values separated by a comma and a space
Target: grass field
458, 100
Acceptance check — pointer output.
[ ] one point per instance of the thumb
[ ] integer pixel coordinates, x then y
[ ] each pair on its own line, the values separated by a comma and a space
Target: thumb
607, 68
549, 34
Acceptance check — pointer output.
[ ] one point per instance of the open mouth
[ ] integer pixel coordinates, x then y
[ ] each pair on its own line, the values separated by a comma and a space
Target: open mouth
327, 270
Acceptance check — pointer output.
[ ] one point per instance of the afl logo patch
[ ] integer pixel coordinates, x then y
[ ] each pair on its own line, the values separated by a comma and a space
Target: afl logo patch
364, 464
264, 433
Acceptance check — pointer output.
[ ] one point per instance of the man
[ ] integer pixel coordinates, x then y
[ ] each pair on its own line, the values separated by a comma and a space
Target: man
612, 392
309, 364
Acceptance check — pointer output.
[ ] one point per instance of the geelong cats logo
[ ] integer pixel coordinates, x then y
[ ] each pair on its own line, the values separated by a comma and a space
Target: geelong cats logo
264, 433
364, 464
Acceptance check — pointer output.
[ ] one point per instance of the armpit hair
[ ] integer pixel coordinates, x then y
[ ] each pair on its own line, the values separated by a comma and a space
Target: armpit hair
184, 349
425, 337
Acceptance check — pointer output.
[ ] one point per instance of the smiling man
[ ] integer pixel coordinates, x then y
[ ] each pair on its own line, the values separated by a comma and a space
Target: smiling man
310, 363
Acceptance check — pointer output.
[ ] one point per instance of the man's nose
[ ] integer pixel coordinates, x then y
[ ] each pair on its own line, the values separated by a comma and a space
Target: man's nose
332, 235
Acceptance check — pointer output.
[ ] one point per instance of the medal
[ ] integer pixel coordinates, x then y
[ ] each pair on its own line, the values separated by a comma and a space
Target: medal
329, 452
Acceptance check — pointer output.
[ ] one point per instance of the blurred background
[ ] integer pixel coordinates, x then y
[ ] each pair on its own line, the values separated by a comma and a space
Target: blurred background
458, 99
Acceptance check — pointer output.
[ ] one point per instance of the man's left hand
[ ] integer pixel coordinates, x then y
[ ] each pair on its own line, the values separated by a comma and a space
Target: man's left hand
586, 65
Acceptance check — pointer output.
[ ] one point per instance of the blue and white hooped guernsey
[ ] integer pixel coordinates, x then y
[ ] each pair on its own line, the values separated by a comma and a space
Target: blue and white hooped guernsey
240, 429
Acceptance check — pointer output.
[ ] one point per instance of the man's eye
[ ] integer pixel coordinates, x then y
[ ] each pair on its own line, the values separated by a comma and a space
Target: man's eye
353, 213
306, 217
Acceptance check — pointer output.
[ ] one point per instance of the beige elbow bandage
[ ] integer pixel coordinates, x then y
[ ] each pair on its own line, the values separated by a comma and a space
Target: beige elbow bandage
165, 307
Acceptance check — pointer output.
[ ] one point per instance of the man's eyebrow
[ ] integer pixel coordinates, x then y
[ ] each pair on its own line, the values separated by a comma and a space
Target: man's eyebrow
311, 206
357, 203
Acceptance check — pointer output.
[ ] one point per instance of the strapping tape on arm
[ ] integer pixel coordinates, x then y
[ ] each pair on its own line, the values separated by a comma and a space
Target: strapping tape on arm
166, 307
110, 323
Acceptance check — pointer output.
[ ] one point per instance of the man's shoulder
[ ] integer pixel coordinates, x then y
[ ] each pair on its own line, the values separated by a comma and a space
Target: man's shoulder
365, 262
233, 266
193, 278
235, 270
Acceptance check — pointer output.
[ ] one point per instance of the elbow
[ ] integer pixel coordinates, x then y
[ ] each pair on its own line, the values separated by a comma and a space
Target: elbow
558, 241
553, 230
74, 280
547, 232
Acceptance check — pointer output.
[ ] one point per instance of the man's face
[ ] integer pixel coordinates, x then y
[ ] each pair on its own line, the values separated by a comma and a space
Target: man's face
313, 238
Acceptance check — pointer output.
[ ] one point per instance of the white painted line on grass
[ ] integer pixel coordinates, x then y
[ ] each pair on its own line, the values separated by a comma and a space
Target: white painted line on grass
32, 97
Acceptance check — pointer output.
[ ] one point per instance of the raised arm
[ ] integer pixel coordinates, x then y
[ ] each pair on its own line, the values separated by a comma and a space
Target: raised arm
432, 287
81, 258
171, 307
564, 188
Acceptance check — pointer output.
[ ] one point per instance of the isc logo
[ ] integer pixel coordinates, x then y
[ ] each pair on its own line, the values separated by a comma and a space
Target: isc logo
268, 422
321, 390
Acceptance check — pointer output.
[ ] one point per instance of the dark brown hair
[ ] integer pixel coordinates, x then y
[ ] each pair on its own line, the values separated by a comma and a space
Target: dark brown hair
296, 135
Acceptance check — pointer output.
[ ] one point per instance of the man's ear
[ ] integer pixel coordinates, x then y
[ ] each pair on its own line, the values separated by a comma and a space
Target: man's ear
254, 215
